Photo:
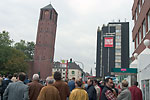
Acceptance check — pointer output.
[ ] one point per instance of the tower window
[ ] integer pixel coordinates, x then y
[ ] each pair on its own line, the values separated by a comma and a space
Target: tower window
51, 13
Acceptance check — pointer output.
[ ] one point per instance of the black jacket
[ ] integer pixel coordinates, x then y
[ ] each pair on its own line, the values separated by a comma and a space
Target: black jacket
91, 92
103, 96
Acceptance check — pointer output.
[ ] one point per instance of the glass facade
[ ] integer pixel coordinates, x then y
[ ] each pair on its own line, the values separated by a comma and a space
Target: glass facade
118, 47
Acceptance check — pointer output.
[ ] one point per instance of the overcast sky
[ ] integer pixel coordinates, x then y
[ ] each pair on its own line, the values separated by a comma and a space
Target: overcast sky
77, 24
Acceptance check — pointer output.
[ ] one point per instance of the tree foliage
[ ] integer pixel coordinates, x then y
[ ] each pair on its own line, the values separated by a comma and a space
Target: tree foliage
26, 47
5, 39
13, 58
12, 61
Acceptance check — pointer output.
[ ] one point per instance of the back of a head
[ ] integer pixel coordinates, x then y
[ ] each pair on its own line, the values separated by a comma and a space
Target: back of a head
73, 78
79, 83
95, 81
22, 76
125, 83
136, 83
15, 75
57, 75
35, 77
10, 76
49, 80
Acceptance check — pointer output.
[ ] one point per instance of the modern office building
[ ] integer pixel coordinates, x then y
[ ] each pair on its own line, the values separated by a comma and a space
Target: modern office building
112, 48
141, 29
45, 42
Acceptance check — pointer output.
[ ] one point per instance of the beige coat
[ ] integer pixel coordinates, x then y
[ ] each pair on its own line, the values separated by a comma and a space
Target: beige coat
49, 93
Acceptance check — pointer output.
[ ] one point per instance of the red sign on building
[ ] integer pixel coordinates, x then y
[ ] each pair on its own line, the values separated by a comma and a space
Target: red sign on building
108, 42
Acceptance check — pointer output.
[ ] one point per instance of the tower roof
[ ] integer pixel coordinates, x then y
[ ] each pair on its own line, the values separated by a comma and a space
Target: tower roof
48, 7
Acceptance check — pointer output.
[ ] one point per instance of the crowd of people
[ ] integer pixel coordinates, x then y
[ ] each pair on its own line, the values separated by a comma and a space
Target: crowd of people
17, 87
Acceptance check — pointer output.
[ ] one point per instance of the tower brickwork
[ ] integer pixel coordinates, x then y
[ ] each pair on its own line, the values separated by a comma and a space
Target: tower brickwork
45, 42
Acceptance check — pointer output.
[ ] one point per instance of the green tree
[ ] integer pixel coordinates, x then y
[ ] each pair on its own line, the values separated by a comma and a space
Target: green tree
12, 61
5, 39
26, 48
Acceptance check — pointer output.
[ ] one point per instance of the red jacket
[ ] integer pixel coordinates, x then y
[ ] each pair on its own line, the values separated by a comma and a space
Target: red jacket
136, 93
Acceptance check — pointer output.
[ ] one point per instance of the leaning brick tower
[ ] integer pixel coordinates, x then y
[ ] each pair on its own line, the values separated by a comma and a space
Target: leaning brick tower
45, 42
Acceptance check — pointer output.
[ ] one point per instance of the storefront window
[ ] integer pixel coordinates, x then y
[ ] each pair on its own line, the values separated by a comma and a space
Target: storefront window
145, 89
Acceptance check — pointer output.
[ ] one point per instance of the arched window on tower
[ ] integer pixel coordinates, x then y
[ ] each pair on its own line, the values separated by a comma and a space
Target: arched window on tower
51, 13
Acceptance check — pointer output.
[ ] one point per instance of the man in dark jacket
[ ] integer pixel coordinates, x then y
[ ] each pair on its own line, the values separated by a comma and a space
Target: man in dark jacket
91, 90
5, 83
107, 92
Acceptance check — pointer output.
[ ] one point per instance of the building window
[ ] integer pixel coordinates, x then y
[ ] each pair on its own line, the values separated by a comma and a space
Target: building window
118, 31
149, 20
118, 44
63, 69
140, 38
136, 14
118, 50
117, 37
51, 14
73, 72
144, 28
142, 2
136, 41
118, 57
139, 6
118, 64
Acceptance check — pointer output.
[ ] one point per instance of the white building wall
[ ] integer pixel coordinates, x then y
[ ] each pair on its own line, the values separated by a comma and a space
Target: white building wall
77, 73
143, 70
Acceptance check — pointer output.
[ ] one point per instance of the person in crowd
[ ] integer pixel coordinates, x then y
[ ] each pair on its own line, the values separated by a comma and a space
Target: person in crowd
17, 90
136, 92
49, 92
91, 90
34, 87
78, 93
86, 85
5, 83
26, 81
71, 84
98, 89
14, 78
107, 92
1, 79
115, 90
125, 93
101, 85
62, 86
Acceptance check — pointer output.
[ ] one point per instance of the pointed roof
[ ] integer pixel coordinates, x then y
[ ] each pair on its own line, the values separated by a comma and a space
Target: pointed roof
48, 7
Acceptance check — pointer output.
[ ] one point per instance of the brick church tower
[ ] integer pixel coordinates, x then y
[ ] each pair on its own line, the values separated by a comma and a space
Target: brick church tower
45, 42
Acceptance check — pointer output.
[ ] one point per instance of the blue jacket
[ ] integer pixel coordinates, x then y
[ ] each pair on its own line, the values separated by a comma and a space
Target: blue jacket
71, 85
